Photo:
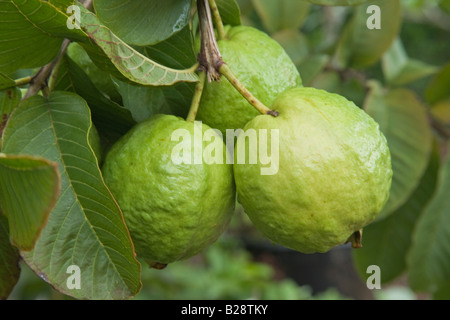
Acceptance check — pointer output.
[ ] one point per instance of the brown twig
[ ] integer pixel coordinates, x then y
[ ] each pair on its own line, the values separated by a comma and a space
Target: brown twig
40, 81
211, 61
210, 58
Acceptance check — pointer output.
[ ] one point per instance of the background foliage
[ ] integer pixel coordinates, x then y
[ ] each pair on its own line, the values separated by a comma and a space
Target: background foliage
117, 71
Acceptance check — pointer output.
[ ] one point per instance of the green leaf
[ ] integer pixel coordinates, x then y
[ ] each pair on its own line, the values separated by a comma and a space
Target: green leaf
9, 261
404, 122
386, 242
143, 22
27, 26
229, 12
281, 14
86, 227
129, 62
29, 189
110, 118
438, 88
429, 257
399, 69
6, 82
359, 46
338, 2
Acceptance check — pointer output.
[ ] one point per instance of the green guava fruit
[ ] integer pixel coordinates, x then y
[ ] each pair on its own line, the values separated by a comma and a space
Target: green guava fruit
173, 210
261, 64
331, 172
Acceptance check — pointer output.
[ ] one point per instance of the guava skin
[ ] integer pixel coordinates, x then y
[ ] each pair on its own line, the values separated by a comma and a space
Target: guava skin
334, 173
261, 64
173, 211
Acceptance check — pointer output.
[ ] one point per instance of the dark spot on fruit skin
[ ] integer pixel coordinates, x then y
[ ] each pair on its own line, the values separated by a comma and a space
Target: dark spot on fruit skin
9, 92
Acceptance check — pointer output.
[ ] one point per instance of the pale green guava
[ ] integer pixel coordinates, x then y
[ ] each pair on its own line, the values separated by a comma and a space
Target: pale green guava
261, 64
173, 211
334, 171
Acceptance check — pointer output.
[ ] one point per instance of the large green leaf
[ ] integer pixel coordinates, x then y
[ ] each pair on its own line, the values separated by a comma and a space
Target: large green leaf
29, 189
131, 64
281, 14
9, 261
86, 227
404, 122
143, 22
27, 26
338, 2
359, 46
399, 69
429, 258
386, 242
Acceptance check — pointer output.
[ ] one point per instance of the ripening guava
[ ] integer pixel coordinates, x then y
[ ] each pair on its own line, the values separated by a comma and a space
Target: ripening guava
173, 210
333, 173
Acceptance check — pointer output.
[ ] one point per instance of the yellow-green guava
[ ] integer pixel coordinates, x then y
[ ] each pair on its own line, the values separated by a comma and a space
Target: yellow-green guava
173, 210
261, 64
333, 173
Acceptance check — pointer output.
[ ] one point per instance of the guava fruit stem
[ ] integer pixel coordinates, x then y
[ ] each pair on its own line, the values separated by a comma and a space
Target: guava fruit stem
197, 97
217, 19
356, 239
258, 105
209, 57
22, 81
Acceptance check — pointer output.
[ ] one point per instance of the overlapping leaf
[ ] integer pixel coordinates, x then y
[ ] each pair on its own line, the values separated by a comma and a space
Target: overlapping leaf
29, 188
86, 227
129, 62
399, 69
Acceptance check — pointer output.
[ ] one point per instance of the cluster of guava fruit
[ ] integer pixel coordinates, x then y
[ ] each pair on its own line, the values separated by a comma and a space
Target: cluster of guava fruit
331, 164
